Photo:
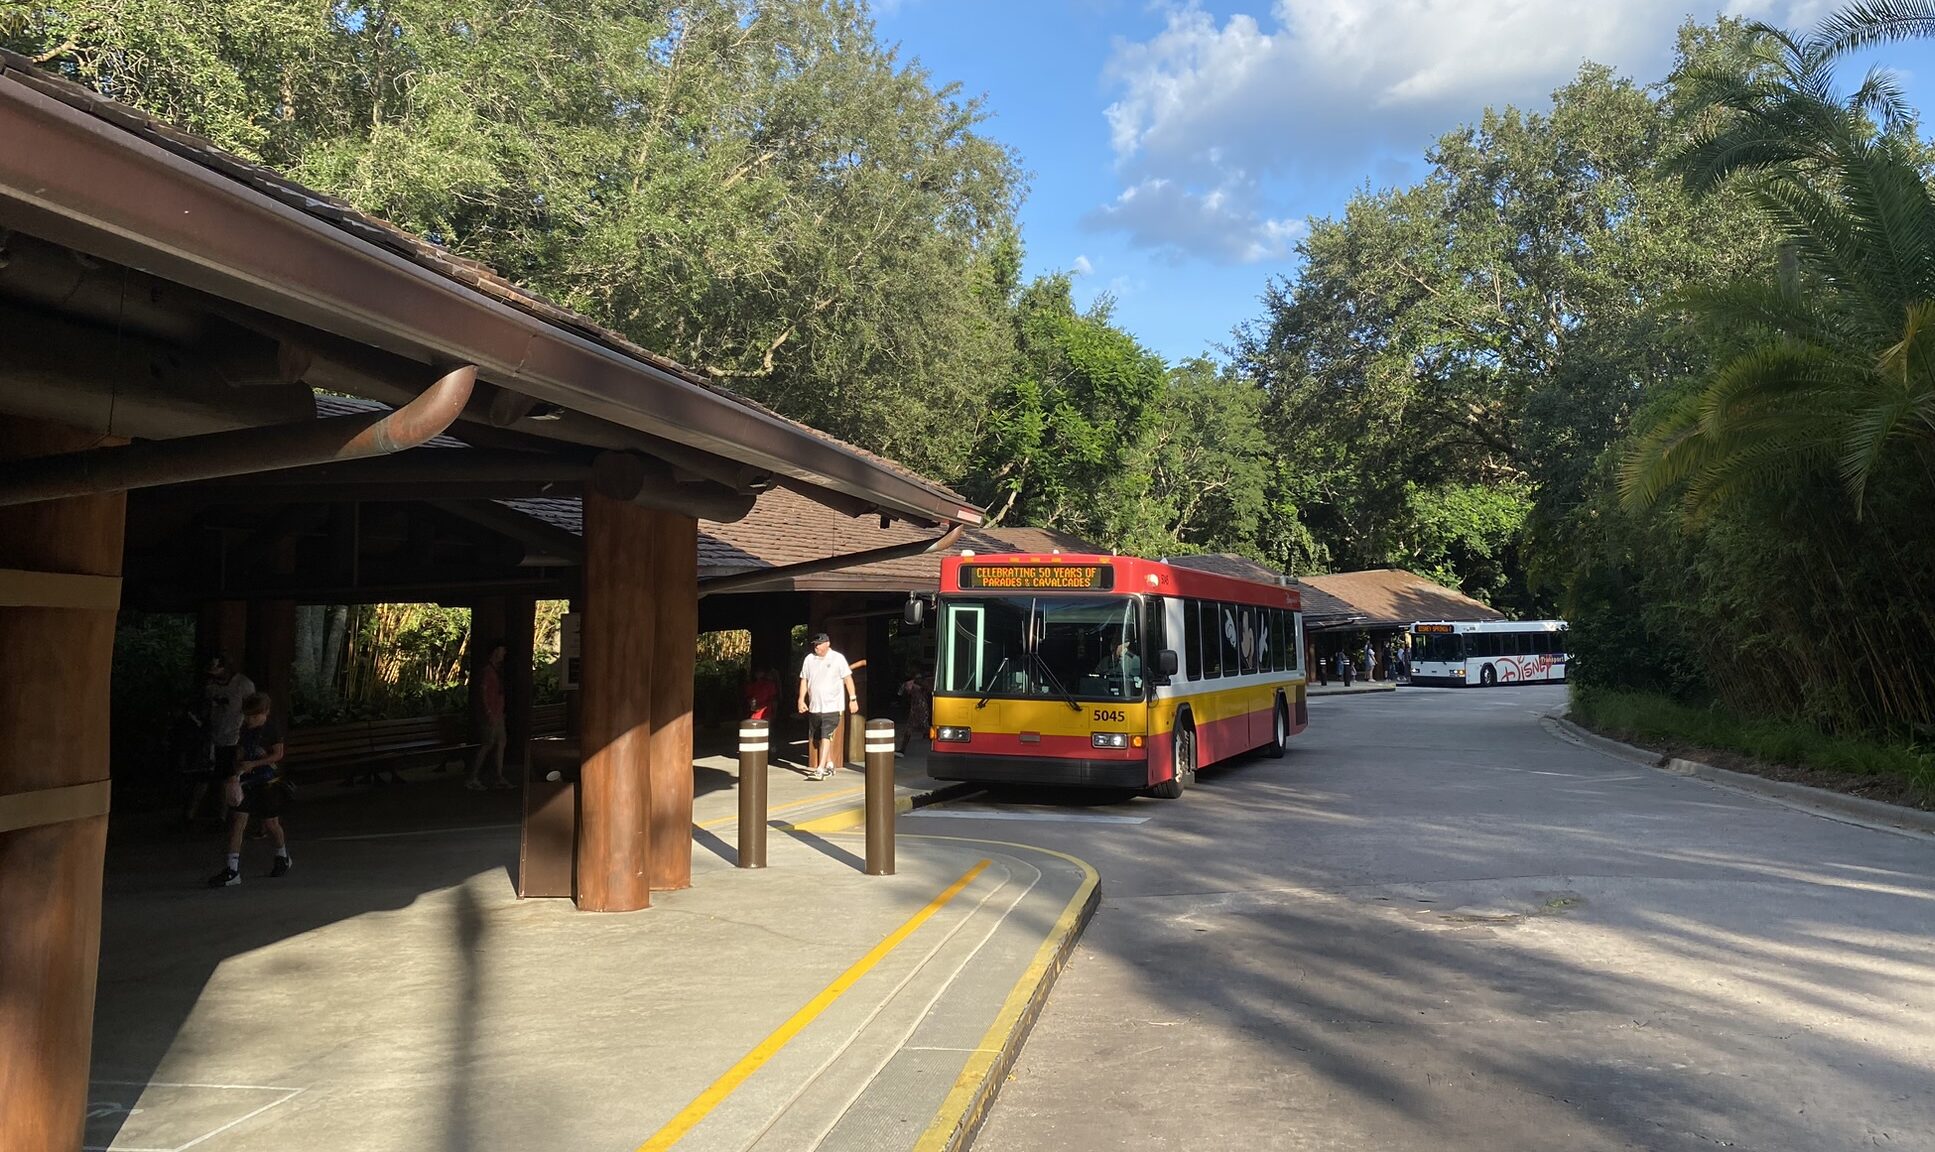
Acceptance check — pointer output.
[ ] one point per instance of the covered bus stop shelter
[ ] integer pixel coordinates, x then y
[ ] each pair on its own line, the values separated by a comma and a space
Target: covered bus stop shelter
222, 390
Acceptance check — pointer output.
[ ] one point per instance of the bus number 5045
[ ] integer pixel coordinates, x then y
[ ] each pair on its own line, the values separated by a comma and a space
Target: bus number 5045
1116, 714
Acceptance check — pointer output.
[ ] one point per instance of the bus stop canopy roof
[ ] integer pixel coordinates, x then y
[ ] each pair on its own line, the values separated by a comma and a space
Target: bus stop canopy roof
224, 262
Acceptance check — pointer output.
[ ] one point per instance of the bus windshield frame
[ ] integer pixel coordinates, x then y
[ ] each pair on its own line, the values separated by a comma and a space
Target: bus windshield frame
1448, 647
1041, 647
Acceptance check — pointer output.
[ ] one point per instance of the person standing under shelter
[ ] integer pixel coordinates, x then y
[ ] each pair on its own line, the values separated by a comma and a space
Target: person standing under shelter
255, 787
920, 710
493, 738
223, 692
825, 681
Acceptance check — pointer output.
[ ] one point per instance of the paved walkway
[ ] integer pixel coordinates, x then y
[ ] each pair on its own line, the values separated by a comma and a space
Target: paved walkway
392, 993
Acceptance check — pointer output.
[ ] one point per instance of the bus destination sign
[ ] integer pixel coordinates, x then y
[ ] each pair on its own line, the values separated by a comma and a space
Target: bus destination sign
1433, 628
1038, 577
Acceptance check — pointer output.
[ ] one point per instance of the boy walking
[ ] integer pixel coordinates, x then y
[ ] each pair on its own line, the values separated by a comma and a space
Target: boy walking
825, 680
255, 788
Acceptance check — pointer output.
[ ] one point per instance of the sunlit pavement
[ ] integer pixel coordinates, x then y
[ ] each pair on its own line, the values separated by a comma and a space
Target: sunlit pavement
392, 992
1435, 926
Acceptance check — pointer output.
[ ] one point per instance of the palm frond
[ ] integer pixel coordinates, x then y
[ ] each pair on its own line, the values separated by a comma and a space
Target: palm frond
1871, 22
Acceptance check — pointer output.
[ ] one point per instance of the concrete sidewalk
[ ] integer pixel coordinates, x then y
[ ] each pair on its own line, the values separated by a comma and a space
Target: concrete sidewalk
1336, 687
392, 993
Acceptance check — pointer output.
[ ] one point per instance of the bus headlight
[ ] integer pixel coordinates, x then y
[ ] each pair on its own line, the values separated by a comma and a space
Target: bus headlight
1108, 740
952, 735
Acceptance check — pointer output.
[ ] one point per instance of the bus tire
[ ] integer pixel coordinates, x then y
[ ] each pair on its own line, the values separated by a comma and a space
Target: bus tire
1488, 676
1279, 730
1182, 764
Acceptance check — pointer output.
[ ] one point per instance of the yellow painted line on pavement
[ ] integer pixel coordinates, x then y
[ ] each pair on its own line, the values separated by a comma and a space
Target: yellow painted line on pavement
967, 1102
788, 807
712, 1097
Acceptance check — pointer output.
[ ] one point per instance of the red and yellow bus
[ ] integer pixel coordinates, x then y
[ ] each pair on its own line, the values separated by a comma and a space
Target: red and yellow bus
1109, 671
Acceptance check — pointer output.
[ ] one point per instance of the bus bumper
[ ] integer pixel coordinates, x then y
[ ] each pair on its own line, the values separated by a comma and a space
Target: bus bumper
1056, 770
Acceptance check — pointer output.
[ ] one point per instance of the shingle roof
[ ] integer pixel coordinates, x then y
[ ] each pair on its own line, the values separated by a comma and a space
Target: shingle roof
1227, 564
1392, 597
787, 528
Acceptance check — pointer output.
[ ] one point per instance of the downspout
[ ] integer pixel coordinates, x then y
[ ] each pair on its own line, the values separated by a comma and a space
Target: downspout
151, 463
759, 579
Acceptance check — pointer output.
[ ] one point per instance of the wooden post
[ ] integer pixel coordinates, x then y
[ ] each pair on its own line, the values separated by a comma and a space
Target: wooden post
60, 567
520, 638
674, 585
850, 640
614, 791
271, 662
221, 626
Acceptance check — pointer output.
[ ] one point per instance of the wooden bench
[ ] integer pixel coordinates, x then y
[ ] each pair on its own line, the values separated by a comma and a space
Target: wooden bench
362, 747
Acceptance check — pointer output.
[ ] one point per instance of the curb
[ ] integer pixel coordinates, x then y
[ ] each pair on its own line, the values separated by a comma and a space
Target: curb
1819, 801
960, 1116
850, 818
1314, 691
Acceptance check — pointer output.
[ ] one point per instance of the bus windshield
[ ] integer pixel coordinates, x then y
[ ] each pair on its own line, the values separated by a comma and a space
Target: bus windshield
1437, 646
1081, 647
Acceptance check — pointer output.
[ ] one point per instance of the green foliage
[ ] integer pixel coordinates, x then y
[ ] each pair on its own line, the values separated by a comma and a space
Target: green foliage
1466, 535
1067, 439
1490, 328
759, 189
1835, 366
1653, 719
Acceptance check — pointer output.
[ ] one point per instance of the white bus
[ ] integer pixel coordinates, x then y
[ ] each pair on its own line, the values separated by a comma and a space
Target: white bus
1488, 652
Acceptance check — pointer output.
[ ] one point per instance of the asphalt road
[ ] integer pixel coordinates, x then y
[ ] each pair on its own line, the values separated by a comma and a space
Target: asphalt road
1436, 925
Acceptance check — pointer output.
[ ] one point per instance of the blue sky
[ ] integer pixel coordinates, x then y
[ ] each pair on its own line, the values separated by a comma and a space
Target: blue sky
1175, 149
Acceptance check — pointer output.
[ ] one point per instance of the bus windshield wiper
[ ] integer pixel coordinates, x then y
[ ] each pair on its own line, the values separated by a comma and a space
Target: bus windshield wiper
993, 679
1049, 676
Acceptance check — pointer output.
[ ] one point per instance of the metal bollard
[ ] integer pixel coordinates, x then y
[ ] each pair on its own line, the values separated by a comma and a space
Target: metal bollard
880, 797
754, 743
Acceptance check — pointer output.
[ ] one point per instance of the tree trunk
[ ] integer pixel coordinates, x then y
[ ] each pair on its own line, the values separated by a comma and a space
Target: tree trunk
334, 634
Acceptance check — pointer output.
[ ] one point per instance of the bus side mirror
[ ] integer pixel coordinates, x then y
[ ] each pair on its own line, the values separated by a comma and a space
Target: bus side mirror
915, 611
1166, 663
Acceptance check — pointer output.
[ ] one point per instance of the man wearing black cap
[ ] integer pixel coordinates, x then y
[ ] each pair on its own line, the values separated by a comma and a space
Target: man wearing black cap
825, 682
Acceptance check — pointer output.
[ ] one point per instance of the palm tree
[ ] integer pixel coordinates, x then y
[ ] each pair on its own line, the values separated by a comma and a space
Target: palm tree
1839, 359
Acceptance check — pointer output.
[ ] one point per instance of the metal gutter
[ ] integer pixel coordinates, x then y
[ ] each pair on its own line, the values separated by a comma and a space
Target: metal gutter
212, 455
78, 179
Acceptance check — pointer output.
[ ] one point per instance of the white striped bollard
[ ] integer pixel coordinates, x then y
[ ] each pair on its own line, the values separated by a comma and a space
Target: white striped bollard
880, 797
754, 745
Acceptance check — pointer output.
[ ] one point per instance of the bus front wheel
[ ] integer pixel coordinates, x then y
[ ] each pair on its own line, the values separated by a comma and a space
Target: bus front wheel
1489, 677
1182, 757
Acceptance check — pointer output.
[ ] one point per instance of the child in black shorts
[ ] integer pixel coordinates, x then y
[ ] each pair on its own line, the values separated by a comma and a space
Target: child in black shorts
255, 790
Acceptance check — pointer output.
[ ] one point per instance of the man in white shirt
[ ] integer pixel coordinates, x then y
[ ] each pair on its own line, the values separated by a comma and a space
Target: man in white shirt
826, 687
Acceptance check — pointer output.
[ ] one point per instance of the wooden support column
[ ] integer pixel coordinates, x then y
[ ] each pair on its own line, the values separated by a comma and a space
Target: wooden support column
271, 659
850, 639
674, 585
614, 790
520, 638
60, 567
221, 626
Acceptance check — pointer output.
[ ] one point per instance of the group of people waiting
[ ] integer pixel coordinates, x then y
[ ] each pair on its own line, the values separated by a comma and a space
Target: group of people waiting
1392, 662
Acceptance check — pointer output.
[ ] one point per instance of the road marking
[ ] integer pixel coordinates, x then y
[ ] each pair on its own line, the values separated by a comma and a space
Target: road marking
968, 1100
689, 1117
412, 832
997, 814
288, 1095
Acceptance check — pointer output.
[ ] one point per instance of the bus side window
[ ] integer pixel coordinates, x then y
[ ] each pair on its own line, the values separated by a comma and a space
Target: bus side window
1280, 641
1192, 639
1212, 646
1246, 630
1231, 630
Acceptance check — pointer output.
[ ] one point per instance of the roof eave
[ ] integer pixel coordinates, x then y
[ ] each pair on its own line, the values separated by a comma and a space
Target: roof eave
76, 179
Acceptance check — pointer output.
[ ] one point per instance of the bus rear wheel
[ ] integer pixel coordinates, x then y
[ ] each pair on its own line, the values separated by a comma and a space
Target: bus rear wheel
1182, 764
1280, 730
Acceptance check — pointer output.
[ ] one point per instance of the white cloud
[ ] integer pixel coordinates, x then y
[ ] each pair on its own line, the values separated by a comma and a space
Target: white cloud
1221, 223
1083, 267
1211, 116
